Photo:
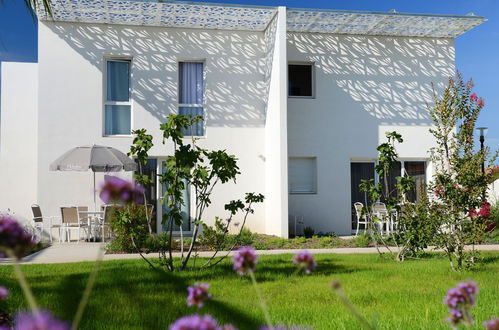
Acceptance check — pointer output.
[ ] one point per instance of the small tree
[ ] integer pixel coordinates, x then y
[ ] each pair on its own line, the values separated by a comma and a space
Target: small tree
459, 186
198, 169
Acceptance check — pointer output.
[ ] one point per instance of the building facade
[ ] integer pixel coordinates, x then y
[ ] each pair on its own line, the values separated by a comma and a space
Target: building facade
301, 97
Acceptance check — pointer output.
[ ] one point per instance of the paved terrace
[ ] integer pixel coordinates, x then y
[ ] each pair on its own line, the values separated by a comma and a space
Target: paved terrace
79, 252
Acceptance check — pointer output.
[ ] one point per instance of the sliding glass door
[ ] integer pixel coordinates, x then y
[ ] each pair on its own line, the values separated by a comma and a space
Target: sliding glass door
185, 207
359, 171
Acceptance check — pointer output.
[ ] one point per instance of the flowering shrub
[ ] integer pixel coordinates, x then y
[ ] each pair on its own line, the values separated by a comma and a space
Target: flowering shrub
245, 260
459, 301
304, 260
197, 294
13, 237
118, 190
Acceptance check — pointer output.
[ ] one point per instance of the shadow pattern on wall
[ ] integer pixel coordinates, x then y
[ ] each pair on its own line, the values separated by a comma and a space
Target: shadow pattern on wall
235, 66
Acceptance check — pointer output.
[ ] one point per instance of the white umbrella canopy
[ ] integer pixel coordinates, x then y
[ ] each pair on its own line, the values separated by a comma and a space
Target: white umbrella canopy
95, 158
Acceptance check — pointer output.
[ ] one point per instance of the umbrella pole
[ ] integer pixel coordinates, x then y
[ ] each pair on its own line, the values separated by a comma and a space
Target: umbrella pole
95, 192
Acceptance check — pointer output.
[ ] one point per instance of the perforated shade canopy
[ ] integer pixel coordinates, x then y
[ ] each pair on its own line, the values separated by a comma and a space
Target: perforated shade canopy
257, 18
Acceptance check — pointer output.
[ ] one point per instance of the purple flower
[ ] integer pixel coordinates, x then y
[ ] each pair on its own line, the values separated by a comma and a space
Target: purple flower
493, 324
42, 320
198, 293
3, 292
459, 301
245, 260
14, 237
305, 260
282, 327
118, 190
195, 322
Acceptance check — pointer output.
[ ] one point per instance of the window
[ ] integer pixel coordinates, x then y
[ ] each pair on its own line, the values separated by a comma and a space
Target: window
191, 95
300, 80
117, 107
302, 175
417, 171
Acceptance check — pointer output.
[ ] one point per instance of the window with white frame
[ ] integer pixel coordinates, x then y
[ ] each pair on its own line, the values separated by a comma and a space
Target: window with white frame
302, 175
191, 95
117, 105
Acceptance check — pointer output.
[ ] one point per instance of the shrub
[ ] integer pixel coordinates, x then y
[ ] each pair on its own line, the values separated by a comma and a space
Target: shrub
129, 226
308, 232
362, 240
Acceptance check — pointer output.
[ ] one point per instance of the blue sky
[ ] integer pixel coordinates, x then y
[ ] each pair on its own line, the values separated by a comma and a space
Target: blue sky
477, 51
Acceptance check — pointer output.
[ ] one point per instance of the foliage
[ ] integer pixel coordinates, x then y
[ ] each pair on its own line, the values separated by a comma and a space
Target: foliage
141, 144
129, 225
459, 186
362, 240
394, 201
308, 232
199, 170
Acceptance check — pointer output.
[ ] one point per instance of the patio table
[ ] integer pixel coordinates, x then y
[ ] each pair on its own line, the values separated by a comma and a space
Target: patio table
92, 215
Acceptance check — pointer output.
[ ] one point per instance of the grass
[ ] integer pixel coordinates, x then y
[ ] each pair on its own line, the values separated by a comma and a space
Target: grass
129, 295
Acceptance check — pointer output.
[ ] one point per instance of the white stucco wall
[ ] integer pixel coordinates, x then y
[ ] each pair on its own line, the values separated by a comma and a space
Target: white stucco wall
276, 140
18, 129
493, 192
364, 87
71, 58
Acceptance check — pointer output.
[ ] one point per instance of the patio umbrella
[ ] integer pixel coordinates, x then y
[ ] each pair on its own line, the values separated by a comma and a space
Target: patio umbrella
95, 158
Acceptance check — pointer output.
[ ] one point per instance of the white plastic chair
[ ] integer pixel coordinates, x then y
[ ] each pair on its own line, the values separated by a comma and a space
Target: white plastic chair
362, 219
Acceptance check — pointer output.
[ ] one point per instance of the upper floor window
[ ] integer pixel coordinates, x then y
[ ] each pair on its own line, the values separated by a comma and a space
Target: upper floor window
191, 95
117, 106
300, 80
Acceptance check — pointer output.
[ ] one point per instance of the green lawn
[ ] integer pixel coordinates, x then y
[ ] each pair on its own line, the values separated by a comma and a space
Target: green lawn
129, 295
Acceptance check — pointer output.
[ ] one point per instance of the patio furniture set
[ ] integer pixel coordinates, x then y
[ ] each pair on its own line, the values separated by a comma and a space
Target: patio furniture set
94, 224
387, 221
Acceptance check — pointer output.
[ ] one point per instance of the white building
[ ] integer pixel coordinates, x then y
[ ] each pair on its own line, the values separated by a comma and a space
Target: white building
302, 97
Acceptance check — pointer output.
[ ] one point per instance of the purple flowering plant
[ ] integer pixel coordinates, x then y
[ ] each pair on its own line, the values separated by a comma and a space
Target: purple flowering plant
305, 260
4, 293
115, 189
493, 324
245, 260
459, 301
14, 239
39, 320
198, 294
199, 322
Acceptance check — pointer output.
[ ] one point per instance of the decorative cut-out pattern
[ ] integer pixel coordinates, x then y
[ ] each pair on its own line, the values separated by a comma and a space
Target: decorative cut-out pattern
389, 24
257, 18
167, 14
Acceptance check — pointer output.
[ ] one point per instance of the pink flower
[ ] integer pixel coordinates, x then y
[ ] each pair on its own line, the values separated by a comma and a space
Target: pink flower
480, 102
245, 260
198, 293
3, 292
305, 261
473, 97
493, 324
195, 322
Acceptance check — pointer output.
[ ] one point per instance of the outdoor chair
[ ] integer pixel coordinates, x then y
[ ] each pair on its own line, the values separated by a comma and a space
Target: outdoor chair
109, 213
71, 221
362, 218
380, 210
41, 223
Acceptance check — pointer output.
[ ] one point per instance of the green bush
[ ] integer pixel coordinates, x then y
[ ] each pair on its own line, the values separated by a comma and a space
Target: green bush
308, 232
362, 240
494, 213
126, 222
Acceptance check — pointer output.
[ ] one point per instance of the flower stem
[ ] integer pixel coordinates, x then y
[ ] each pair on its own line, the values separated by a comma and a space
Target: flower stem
88, 289
24, 284
341, 294
263, 305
